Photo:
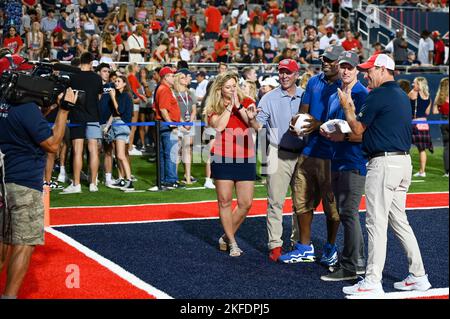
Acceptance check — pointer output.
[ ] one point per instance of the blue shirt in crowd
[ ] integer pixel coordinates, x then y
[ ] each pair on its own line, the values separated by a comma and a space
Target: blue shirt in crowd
348, 156
22, 129
387, 117
103, 104
125, 106
317, 94
276, 109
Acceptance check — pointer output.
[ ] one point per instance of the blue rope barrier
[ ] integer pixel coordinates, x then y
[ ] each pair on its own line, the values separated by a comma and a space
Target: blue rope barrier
204, 124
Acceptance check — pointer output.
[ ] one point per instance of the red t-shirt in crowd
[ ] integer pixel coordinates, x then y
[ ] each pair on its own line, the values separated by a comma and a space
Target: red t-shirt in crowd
13, 43
164, 99
214, 19
236, 141
350, 45
443, 109
135, 85
220, 45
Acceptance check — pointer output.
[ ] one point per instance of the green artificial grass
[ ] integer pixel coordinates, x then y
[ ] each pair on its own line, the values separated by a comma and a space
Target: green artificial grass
145, 172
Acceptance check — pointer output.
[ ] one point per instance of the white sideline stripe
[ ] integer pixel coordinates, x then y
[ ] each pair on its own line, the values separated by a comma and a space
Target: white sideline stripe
418, 181
132, 279
203, 201
211, 217
203, 187
404, 294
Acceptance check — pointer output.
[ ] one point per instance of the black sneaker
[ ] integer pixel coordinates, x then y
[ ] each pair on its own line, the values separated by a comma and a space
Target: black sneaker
175, 185
118, 184
128, 186
339, 274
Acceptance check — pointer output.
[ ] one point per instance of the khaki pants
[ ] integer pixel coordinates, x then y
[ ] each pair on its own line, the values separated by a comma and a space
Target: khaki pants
387, 181
280, 167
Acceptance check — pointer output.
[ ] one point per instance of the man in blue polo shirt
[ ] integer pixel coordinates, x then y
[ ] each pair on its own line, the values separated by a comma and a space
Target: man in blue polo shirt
312, 177
385, 122
348, 172
276, 109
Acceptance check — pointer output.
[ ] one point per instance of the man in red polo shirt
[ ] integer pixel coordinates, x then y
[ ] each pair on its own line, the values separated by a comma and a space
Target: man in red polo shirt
213, 20
167, 110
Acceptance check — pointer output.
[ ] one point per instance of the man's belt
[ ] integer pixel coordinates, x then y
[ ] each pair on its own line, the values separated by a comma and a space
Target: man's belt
387, 154
290, 150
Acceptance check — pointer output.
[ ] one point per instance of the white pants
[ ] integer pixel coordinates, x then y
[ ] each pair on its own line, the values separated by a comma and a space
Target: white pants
387, 182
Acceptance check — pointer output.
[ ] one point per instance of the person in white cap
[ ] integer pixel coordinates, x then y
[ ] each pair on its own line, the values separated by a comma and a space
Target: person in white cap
385, 122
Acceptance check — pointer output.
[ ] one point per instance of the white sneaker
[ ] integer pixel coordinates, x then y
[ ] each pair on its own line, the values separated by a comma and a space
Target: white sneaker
419, 174
364, 288
209, 184
135, 152
72, 189
62, 178
93, 188
413, 283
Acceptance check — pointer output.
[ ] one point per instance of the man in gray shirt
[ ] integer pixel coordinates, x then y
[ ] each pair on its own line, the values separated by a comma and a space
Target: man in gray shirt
49, 23
276, 110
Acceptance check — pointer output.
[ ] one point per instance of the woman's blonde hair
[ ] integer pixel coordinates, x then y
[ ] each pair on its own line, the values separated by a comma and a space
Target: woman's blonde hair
177, 86
304, 80
253, 91
442, 92
214, 102
423, 85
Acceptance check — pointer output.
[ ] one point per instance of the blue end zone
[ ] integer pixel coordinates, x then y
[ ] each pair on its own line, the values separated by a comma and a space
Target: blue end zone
182, 258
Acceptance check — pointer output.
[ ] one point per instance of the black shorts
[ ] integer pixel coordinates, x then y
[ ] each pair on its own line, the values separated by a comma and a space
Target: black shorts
234, 169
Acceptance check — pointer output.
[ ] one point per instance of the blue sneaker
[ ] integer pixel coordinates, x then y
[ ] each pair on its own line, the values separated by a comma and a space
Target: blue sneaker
329, 255
301, 253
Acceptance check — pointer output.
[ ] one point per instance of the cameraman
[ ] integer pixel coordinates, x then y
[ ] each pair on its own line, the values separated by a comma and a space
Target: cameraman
25, 137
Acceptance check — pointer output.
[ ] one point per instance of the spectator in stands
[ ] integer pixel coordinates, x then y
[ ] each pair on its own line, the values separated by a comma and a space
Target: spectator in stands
213, 21
13, 41
157, 35
229, 112
244, 55
269, 54
399, 48
259, 57
340, 36
66, 53
439, 48
100, 10
256, 30
327, 38
204, 56
426, 48
421, 107
308, 54
136, 45
405, 85
271, 25
94, 47
35, 41
224, 50
296, 30
285, 54
352, 44
241, 15
87, 118
108, 47
192, 23
377, 47
202, 82
440, 106
411, 59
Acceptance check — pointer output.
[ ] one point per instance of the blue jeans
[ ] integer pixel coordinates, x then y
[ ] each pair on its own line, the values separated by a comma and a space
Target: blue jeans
168, 157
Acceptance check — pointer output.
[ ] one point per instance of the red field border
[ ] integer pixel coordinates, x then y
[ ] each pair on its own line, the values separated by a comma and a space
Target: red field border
170, 211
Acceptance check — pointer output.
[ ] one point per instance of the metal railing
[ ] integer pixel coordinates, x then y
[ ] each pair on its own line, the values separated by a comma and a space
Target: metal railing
379, 17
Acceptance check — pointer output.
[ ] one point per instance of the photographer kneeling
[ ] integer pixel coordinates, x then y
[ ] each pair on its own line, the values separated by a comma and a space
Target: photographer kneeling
25, 137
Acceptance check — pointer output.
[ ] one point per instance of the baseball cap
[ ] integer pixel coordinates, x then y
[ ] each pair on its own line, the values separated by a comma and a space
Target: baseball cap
156, 25
225, 34
329, 29
288, 64
201, 73
270, 81
184, 71
333, 52
166, 70
349, 57
378, 60
435, 34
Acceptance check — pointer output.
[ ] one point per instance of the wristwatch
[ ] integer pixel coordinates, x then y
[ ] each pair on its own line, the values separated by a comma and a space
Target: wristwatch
347, 137
240, 107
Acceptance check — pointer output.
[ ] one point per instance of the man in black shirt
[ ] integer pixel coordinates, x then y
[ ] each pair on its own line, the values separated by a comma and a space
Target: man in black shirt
86, 118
